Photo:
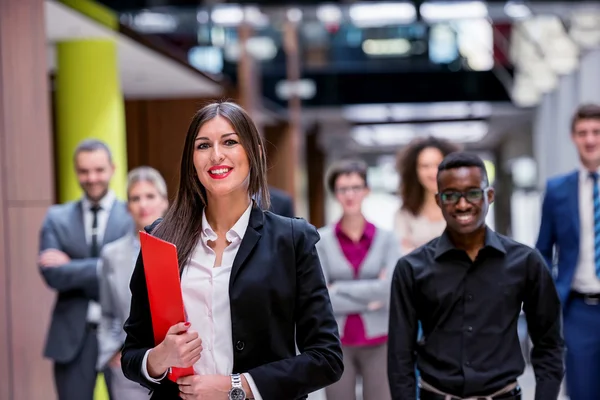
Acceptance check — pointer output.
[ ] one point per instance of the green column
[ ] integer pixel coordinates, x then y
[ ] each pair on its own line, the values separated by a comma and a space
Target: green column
89, 104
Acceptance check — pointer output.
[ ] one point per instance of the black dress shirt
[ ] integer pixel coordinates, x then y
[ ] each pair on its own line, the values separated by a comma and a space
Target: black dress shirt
469, 312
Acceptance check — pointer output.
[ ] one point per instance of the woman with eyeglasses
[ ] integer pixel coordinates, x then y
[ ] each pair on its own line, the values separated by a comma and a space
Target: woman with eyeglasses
358, 260
252, 285
420, 219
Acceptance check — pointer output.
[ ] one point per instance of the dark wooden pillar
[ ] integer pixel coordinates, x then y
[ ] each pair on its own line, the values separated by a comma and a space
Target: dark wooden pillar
294, 135
26, 191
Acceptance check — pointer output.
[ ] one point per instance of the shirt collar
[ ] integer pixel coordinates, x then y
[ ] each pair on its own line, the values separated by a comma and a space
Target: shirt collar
368, 233
237, 231
105, 203
445, 245
584, 173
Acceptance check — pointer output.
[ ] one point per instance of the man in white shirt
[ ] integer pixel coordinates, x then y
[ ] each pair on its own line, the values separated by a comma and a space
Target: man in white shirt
71, 238
569, 240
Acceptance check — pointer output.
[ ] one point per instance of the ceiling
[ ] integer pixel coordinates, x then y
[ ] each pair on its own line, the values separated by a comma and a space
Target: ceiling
388, 127
145, 73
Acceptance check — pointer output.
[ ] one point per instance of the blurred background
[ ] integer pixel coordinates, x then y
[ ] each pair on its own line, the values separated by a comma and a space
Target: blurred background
323, 80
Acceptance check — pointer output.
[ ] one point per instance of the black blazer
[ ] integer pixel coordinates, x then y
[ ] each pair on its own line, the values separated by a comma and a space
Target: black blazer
278, 299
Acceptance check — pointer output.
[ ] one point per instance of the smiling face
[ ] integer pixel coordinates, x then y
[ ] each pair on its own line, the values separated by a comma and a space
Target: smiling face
220, 161
464, 198
94, 171
586, 137
145, 203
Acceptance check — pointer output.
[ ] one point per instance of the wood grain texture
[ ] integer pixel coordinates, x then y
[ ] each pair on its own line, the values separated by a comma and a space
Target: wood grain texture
26, 191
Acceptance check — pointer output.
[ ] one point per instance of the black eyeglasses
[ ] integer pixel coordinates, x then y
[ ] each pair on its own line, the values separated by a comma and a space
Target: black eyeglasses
451, 197
349, 189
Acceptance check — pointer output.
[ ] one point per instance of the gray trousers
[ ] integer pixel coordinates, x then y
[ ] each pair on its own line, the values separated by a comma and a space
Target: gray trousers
368, 362
124, 389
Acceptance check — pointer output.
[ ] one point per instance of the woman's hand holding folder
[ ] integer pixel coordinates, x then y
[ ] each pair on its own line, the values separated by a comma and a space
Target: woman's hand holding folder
181, 348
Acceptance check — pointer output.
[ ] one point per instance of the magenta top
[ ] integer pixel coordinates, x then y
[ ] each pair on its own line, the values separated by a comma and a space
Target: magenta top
355, 253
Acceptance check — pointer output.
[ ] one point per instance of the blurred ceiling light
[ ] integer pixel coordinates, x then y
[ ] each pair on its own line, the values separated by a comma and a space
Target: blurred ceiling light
227, 15
386, 47
476, 43
540, 73
585, 38
152, 22
366, 113
400, 134
304, 89
517, 10
524, 93
329, 14
255, 17
585, 28
202, 17
294, 15
381, 14
448, 10
262, 48
217, 36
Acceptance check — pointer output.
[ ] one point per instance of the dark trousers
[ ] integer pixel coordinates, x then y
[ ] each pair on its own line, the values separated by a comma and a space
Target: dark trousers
76, 380
581, 330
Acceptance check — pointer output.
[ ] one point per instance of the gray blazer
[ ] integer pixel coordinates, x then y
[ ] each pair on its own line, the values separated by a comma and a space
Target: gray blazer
117, 261
352, 296
76, 282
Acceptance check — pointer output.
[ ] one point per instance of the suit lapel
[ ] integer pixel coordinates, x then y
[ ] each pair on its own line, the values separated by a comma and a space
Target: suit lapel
250, 240
573, 189
78, 228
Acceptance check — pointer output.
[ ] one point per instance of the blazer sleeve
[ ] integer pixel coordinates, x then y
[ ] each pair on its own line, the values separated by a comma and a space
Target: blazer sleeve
547, 234
138, 327
110, 332
80, 274
319, 363
368, 290
341, 304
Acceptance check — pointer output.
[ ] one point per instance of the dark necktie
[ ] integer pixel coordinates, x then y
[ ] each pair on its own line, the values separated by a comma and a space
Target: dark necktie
94, 250
596, 197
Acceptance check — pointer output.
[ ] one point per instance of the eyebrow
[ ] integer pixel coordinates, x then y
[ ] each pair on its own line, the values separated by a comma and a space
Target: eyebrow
222, 136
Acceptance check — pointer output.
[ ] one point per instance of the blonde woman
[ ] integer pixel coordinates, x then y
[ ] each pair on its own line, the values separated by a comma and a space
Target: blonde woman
146, 201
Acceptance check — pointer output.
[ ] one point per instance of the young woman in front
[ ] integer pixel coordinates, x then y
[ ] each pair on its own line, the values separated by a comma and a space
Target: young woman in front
251, 280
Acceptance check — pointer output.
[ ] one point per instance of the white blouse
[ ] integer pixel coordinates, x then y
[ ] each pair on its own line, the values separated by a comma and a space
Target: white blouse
205, 289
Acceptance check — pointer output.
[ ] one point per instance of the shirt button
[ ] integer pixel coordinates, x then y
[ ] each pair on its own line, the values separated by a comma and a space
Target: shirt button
468, 363
470, 329
469, 297
239, 345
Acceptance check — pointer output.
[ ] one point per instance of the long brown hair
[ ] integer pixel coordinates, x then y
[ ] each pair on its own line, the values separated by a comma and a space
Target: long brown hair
411, 189
182, 223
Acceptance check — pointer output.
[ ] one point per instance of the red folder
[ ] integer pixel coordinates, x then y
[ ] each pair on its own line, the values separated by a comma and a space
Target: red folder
164, 290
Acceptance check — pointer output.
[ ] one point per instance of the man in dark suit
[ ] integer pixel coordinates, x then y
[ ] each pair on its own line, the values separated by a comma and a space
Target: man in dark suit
281, 202
71, 238
570, 229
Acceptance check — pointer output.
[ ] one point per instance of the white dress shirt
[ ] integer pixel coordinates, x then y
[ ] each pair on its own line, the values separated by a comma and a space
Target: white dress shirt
94, 312
205, 289
585, 279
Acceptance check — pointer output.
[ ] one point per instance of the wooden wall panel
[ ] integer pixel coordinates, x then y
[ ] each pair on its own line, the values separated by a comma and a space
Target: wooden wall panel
5, 370
26, 191
30, 306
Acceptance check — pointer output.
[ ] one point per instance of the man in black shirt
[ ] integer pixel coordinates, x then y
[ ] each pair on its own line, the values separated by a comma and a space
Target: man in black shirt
467, 288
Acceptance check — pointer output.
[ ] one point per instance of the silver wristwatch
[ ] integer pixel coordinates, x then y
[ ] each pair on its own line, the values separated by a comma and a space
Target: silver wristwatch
237, 391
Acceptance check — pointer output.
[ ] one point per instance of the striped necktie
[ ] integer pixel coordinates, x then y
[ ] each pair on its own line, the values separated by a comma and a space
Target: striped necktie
596, 196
